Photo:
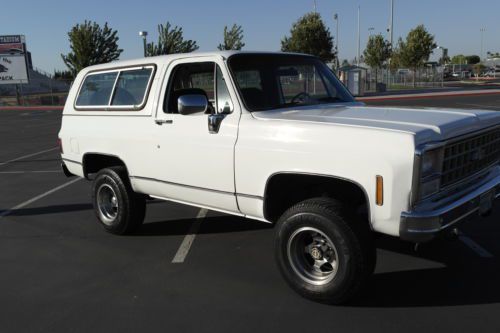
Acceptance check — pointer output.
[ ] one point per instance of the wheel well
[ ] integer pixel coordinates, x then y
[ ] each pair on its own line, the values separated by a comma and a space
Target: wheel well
93, 163
285, 190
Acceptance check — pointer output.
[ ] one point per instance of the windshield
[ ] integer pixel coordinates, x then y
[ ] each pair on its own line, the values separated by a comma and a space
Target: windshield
276, 81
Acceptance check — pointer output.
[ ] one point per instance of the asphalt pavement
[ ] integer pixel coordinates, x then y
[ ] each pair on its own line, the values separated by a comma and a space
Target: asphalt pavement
60, 272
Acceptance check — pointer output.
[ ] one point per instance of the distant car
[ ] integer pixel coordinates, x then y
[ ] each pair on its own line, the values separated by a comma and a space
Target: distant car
492, 73
403, 71
3, 69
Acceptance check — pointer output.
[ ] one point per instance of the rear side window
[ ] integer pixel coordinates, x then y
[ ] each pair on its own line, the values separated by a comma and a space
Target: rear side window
96, 89
131, 87
124, 89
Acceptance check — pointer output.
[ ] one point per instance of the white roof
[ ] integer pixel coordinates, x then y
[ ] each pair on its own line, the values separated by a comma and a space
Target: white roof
167, 58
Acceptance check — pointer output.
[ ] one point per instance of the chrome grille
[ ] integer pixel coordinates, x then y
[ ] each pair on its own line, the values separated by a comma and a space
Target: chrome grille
469, 156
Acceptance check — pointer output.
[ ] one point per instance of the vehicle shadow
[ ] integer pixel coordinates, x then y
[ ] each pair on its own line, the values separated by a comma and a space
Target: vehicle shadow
209, 225
48, 210
466, 279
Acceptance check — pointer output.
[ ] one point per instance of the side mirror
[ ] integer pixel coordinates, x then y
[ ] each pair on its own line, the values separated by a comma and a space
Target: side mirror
190, 104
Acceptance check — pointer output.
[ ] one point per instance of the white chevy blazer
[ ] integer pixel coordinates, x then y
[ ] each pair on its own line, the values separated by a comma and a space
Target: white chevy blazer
277, 138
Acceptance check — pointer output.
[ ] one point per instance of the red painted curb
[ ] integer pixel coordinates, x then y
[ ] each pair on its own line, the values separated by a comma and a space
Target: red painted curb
418, 96
32, 108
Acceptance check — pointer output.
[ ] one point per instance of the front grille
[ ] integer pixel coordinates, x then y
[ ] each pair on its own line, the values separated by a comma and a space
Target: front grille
469, 156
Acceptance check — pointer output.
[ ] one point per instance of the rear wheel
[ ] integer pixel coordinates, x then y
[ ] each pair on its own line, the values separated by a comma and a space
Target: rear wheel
118, 208
323, 252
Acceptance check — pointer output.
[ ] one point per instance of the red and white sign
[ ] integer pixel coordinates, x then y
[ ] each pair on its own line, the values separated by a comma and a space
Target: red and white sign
12, 44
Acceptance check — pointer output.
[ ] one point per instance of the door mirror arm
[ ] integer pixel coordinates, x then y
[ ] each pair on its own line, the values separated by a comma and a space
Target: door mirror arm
214, 122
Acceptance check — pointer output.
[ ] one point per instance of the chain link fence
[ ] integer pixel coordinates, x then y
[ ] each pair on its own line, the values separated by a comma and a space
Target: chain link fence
403, 79
41, 90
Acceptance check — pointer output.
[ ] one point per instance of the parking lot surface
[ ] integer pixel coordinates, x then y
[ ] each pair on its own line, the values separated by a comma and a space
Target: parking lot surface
60, 272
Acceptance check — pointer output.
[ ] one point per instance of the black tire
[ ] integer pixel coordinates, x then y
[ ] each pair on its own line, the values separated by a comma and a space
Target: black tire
123, 214
326, 223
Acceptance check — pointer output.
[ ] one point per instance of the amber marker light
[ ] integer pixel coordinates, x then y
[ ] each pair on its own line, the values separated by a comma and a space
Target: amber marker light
380, 191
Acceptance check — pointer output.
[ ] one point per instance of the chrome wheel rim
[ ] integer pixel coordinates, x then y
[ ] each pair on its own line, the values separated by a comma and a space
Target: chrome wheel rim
312, 255
107, 203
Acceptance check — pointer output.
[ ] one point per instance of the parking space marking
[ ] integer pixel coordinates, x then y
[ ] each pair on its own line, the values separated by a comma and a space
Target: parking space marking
38, 197
482, 252
36, 171
183, 250
27, 156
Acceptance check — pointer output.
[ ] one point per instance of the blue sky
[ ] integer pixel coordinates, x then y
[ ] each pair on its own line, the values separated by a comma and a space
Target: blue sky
265, 22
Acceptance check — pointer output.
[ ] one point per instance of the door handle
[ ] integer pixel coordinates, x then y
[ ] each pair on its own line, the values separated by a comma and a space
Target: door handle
163, 121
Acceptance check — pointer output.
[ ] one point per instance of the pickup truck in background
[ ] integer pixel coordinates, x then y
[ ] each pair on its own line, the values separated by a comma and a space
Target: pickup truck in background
277, 138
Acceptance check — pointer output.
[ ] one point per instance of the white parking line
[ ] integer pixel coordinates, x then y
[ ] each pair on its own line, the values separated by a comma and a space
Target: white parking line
27, 156
482, 252
38, 197
183, 250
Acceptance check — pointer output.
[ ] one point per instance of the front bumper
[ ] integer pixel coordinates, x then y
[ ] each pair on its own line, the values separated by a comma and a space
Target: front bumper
423, 223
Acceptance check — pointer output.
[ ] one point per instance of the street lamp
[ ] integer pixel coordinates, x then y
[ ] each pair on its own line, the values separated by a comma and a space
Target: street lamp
371, 30
336, 19
144, 35
482, 33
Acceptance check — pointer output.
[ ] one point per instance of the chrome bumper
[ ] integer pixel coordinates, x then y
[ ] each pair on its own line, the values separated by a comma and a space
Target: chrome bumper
421, 224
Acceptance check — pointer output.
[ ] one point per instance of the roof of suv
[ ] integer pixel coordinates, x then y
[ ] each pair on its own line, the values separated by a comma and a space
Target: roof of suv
170, 57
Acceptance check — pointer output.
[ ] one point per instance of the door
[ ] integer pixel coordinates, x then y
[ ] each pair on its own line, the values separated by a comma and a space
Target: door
192, 163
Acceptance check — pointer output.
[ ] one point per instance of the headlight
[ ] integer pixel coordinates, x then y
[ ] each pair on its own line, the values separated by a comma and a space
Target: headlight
432, 163
430, 172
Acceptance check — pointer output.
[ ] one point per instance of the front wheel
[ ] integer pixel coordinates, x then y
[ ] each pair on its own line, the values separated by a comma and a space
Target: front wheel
323, 253
118, 208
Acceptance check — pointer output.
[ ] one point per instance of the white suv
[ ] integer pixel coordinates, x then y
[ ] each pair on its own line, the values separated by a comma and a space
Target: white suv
277, 138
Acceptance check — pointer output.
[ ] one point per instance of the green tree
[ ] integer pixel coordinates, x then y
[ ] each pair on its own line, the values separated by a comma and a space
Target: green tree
310, 35
63, 75
91, 45
233, 38
377, 51
445, 58
395, 61
473, 59
416, 49
478, 69
459, 59
170, 41
345, 63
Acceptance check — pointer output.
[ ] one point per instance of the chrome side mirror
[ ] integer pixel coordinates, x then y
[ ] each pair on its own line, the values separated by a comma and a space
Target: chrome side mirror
191, 104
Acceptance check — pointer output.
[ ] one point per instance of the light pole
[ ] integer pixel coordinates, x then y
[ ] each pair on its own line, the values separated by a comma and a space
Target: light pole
370, 31
391, 36
359, 35
336, 18
482, 39
144, 35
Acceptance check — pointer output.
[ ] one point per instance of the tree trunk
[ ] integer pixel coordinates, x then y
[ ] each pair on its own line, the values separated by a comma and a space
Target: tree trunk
414, 77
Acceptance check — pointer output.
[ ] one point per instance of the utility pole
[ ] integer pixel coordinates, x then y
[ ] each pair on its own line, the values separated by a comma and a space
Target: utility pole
336, 18
482, 40
391, 41
359, 34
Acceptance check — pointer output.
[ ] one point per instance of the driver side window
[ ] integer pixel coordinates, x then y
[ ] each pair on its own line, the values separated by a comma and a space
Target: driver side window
202, 78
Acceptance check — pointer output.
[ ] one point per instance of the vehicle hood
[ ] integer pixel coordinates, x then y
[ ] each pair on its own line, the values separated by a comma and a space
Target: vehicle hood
427, 124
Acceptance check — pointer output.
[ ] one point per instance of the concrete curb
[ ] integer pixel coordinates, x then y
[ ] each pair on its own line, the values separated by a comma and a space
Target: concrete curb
431, 95
32, 108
